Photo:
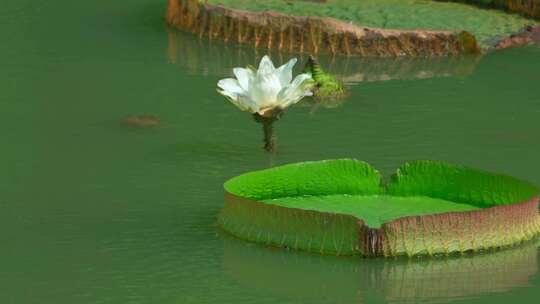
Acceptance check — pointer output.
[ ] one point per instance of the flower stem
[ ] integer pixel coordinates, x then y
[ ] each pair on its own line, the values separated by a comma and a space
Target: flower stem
270, 141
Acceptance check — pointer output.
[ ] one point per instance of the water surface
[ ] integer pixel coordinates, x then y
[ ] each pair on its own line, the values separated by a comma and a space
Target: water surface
97, 211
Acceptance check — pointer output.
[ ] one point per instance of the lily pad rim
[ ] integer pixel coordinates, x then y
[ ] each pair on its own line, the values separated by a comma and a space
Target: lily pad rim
393, 178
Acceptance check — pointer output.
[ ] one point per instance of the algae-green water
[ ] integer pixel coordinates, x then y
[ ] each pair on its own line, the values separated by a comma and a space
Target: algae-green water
374, 210
488, 25
97, 211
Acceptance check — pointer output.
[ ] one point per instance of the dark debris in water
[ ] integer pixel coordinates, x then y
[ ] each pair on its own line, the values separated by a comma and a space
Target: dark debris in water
142, 120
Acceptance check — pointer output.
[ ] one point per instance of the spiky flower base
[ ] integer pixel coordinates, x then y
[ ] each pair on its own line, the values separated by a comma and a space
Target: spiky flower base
326, 86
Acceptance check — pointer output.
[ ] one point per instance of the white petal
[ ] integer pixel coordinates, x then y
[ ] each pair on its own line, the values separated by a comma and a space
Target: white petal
231, 89
241, 101
245, 104
231, 85
267, 88
295, 92
264, 90
266, 66
285, 72
300, 79
244, 76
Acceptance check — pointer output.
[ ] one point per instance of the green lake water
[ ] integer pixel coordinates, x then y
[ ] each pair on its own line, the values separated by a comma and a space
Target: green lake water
96, 211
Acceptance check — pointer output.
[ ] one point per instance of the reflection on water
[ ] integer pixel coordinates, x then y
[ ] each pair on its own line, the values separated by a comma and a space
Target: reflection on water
201, 56
350, 279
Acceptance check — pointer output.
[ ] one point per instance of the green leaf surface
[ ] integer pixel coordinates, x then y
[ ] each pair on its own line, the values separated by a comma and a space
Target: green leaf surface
374, 210
459, 184
343, 176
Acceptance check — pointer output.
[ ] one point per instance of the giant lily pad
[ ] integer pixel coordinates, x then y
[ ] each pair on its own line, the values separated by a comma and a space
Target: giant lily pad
374, 28
486, 25
343, 207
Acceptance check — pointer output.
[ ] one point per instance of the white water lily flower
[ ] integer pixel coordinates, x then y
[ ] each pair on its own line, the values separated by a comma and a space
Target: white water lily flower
267, 90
